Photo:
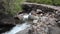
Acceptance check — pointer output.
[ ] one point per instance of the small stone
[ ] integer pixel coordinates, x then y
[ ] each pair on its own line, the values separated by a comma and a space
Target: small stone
38, 10
35, 21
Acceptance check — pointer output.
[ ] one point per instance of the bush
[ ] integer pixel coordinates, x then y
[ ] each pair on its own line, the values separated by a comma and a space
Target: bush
12, 7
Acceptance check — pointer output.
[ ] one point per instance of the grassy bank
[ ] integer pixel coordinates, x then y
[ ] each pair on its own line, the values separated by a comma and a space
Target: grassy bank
51, 2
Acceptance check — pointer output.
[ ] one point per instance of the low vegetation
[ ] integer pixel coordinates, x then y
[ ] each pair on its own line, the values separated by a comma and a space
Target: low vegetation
51, 2
11, 7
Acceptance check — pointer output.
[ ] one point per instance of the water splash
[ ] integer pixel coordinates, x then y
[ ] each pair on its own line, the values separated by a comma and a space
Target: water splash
18, 28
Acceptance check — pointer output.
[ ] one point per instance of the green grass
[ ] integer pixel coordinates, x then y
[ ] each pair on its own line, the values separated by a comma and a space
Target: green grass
51, 2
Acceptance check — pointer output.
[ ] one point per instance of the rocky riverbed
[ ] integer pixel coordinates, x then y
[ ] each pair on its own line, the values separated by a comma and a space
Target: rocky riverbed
35, 19
41, 22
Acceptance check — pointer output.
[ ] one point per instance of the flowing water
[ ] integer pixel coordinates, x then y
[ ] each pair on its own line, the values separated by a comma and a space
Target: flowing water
19, 27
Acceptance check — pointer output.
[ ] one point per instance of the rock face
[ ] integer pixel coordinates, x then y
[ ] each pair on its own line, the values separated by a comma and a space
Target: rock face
46, 21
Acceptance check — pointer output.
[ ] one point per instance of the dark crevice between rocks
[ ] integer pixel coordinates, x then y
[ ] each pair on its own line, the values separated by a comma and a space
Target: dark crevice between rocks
28, 8
5, 27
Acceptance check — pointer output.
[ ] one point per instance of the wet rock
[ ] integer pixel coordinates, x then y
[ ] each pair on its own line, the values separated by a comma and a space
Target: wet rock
38, 11
42, 20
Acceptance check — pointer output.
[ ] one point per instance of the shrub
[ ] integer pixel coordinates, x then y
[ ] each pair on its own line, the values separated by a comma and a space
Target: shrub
12, 7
